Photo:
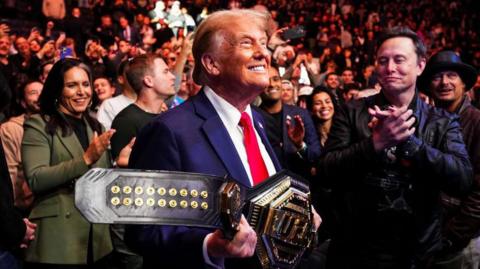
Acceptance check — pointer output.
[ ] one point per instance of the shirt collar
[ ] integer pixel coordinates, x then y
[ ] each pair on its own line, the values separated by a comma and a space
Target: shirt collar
227, 112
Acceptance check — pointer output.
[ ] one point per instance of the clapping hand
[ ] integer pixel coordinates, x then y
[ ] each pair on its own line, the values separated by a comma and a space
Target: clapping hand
124, 155
390, 127
296, 132
97, 147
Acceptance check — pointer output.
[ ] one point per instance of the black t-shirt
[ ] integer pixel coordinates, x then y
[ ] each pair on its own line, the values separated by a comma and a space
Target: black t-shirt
127, 124
274, 129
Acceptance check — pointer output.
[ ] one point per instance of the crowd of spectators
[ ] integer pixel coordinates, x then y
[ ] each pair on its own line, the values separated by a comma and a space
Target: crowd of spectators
332, 64
339, 35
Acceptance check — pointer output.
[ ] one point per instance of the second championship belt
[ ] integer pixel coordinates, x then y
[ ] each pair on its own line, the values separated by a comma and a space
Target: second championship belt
279, 209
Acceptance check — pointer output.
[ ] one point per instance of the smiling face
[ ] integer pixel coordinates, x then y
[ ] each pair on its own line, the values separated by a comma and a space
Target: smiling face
398, 65
288, 96
4, 46
77, 92
447, 88
31, 94
103, 88
274, 90
322, 106
34, 46
22, 46
242, 61
332, 81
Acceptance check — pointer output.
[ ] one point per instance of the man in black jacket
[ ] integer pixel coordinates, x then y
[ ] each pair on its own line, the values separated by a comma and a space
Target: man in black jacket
388, 158
448, 79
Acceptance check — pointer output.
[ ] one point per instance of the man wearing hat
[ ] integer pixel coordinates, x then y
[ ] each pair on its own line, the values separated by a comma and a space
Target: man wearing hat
387, 159
448, 80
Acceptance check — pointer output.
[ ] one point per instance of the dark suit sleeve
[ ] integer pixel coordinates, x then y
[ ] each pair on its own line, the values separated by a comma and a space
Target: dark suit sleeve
297, 161
156, 148
311, 138
12, 227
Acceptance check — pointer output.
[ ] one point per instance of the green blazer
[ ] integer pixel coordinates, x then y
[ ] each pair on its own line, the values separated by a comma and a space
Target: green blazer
51, 164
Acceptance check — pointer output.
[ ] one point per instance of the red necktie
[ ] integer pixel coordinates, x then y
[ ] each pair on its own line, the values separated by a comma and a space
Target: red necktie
258, 169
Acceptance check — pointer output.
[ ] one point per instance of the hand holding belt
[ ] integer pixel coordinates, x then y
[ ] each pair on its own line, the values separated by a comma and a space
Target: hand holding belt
278, 209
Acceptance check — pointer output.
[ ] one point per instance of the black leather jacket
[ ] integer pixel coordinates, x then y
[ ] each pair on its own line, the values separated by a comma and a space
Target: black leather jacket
387, 204
463, 213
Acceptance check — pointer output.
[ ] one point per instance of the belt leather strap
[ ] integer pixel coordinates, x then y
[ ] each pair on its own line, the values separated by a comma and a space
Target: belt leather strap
279, 209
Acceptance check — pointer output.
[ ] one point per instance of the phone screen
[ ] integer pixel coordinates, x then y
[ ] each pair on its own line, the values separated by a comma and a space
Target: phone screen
66, 52
294, 33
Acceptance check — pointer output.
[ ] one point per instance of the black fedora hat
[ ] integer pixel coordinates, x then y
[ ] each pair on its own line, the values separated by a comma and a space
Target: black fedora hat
447, 60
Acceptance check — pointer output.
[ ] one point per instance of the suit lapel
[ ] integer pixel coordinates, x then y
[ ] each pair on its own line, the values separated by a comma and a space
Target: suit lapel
71, 142
285, 139
219, 139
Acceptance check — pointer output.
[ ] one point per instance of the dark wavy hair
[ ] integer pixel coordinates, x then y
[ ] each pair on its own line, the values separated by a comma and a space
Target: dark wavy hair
320, 89
52, 91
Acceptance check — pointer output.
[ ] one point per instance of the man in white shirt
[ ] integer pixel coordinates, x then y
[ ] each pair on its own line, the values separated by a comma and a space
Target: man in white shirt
112, 106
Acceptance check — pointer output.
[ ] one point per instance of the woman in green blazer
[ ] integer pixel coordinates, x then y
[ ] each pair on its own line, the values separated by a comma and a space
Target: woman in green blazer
59, 146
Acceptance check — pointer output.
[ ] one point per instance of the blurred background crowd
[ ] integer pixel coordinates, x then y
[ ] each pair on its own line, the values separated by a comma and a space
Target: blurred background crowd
339, 36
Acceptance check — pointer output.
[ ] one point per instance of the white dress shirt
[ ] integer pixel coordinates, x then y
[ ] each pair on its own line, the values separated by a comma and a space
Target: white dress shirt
230, 117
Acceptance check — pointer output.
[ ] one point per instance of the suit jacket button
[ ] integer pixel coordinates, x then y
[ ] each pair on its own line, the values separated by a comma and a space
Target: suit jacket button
281, 144
67, 215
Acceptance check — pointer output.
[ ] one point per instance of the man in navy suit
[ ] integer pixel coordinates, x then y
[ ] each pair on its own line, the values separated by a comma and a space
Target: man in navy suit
203, 135
128, 32
289, 129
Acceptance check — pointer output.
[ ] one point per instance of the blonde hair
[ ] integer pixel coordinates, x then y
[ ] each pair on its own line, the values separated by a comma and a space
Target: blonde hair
208, 34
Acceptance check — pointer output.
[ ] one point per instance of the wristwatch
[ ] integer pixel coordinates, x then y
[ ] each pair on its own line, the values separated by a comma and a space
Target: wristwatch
302, 149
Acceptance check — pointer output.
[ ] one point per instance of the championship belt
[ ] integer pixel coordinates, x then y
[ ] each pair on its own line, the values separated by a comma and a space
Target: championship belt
279, 209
